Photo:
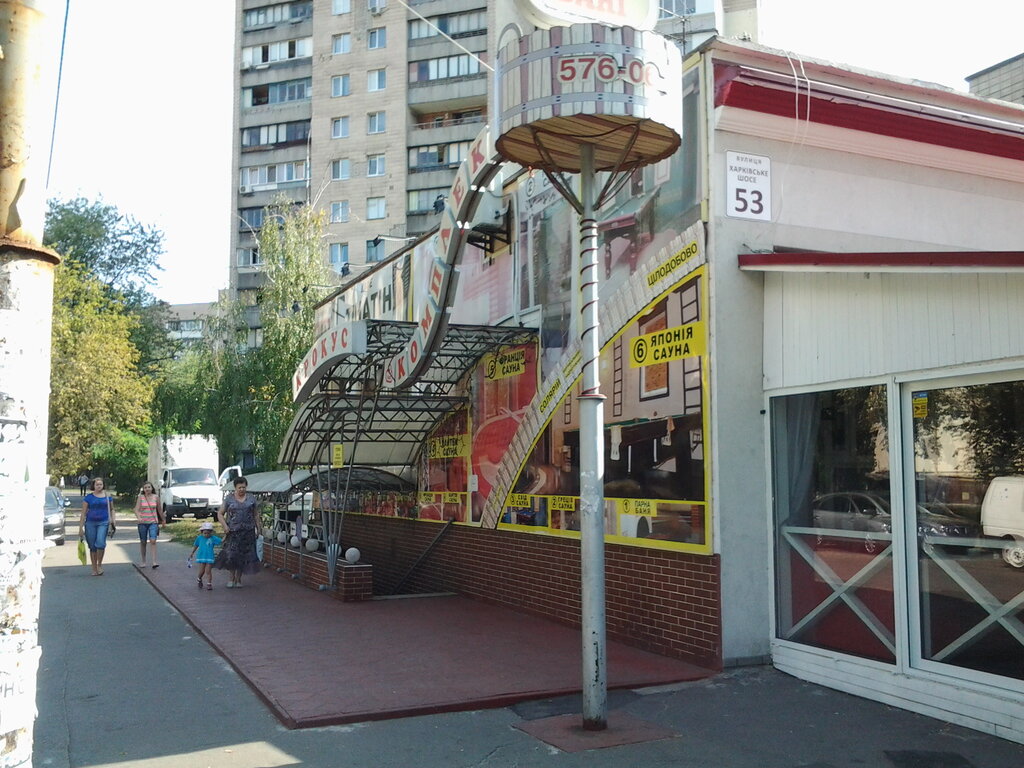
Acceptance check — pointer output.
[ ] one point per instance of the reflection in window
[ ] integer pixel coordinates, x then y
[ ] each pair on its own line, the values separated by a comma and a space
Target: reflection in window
833, 527
969, 487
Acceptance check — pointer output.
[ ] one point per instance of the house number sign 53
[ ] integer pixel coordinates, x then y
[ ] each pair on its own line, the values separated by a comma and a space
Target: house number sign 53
748, 187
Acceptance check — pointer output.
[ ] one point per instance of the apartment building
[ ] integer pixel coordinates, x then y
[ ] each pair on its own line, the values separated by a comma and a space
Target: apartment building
1004, 81
363, 108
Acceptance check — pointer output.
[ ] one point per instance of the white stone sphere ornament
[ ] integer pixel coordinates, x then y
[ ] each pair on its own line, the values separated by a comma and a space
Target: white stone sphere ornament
312, 545
295, 541
352, 555
282, 537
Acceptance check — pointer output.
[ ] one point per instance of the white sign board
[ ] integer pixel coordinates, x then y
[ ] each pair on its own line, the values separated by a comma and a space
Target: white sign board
748, 186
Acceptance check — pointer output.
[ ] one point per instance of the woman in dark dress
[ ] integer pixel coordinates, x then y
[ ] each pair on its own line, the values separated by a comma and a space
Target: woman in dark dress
239, 518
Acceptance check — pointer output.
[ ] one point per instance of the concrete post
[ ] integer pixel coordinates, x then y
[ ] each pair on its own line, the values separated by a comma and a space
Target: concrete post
30, 48
595, 673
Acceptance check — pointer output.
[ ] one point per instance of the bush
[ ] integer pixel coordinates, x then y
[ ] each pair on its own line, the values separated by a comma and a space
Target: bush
122, 461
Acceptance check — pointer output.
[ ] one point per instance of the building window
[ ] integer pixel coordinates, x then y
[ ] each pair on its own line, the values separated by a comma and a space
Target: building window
339, 127
275, 14
251, 219
248, 257
377, 38
278, 133
832, 514
338, 254
375, 165
453, 24
374, 250
376, 6
423, 200
341, 169
376, 80
340, 86
269, 53
277, 173
339, 212
438, 155
277, 93
444, 67
339, 7
376, 122
376, 208
341, 43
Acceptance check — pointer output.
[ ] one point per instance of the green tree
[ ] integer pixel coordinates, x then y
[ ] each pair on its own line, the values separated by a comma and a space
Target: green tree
96, 389
242, 394
111, 246
122, 254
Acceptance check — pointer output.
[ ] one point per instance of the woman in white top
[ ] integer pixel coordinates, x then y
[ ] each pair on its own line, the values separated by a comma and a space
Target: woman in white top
150, 515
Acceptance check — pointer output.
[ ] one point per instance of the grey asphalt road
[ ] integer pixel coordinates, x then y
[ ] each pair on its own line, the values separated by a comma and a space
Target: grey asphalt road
124, 681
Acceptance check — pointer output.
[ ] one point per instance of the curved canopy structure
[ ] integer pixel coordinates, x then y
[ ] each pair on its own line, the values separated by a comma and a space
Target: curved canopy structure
376, 425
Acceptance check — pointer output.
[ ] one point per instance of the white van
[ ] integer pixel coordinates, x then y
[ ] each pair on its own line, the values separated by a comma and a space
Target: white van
1002, 515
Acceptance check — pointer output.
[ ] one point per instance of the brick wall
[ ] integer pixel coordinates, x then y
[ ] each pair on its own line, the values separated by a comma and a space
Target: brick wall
662, 601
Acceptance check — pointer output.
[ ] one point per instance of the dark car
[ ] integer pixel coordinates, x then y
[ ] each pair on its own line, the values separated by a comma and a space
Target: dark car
54, 506
869, 513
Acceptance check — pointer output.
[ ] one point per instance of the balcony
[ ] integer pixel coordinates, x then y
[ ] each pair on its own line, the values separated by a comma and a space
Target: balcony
446, 131
449, 94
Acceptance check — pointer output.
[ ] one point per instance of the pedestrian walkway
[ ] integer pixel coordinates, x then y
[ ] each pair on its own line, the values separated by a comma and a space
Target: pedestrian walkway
318, 661
124, 682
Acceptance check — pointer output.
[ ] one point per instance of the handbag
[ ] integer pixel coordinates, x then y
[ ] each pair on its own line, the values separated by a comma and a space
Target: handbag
259, 548
81, 551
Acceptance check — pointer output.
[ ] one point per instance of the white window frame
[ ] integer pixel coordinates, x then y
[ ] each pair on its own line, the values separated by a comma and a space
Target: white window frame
341, 169
377, 38
338, 7
340, 212
376, 165
341, 86
340, 127
376, 80
376, 122
341, 43
376, 208
338, 254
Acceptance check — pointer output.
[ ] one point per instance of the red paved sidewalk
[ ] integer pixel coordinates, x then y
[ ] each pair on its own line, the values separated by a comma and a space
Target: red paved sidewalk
317, 661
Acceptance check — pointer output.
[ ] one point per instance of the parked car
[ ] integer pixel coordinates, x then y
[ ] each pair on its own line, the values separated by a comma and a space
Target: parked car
54, 506
870, 513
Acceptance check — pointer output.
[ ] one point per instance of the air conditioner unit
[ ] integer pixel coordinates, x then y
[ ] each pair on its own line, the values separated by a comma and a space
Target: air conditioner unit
245, 189
377, 9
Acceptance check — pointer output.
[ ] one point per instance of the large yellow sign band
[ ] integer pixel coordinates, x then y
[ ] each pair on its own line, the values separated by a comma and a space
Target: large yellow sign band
670, 344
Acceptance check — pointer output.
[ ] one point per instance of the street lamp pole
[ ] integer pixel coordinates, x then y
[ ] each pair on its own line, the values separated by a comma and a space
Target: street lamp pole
29, 41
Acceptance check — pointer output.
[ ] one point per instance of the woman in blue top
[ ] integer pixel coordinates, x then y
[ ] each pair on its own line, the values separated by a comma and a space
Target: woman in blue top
97, 520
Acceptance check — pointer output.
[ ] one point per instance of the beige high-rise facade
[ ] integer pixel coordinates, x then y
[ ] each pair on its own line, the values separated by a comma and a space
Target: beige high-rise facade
366, 108
363, 108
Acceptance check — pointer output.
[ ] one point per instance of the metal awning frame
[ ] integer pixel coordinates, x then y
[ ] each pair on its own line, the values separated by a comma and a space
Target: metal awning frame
349, 404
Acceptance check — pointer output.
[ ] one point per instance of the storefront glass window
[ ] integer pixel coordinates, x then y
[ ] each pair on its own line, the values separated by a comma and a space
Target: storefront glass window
833, 525
969, 512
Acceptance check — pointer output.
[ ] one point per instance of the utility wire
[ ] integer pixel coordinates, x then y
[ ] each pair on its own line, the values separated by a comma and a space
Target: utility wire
56, 102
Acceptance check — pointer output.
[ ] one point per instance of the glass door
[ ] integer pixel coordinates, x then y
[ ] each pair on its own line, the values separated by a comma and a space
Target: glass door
965, 526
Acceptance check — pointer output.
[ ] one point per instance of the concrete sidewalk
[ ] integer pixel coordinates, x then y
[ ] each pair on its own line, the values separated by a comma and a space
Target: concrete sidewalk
125, 681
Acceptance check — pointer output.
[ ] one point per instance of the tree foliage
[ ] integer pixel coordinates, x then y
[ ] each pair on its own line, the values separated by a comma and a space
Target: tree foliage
241, 393
96, 390
111, 246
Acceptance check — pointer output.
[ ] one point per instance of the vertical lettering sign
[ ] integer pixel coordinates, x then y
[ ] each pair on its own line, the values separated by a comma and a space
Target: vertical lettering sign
748, 186
343, 339
475, 173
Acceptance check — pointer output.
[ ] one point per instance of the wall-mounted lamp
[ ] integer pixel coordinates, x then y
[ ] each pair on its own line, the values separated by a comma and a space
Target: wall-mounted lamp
379, 238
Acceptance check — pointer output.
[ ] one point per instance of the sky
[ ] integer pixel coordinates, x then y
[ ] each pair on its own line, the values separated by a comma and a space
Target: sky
144, 119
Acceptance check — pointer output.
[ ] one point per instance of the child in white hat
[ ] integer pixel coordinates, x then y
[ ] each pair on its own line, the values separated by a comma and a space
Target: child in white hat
202, 552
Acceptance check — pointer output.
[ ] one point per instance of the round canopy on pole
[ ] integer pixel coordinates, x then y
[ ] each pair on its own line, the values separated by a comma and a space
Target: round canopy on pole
617, 90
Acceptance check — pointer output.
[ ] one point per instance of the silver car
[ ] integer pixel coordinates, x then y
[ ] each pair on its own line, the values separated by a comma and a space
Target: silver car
869, 513
54, 506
